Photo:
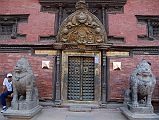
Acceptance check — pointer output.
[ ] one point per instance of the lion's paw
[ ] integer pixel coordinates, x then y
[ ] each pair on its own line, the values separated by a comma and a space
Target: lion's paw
148, 105
135, 104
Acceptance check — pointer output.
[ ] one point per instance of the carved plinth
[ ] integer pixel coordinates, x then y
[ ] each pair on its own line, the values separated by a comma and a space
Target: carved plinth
25, 102
24, 105
139, 115
137, 99
22, 114
141, 109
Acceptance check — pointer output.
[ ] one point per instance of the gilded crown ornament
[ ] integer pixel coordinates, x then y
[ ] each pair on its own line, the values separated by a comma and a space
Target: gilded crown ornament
81, 4
82, 27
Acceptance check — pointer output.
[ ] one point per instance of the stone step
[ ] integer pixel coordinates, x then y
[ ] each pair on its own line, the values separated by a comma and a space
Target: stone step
80, 108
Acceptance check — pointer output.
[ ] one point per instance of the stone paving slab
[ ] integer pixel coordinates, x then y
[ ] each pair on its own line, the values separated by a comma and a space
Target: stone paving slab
80, 108
77, 117
65, 114
52, 113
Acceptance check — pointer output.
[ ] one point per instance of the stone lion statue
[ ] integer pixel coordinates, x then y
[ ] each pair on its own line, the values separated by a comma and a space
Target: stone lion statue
25, 94
142, 83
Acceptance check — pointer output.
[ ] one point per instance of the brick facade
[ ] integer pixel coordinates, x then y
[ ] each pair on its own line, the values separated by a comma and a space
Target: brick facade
119, 79
43, 24
44, 77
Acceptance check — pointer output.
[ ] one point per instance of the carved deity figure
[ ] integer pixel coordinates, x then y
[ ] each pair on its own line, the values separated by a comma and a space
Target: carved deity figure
24, 88
142, 83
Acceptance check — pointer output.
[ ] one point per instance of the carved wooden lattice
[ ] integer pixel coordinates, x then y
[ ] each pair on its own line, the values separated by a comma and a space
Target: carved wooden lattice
155, 27
6, 29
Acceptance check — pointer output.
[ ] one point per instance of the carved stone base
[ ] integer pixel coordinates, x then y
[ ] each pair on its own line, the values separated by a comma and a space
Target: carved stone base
141, 109
58, 102
22, 114
138, 116
24, 105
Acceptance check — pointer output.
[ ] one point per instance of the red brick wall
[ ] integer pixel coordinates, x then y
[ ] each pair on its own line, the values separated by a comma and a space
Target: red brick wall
39, 23
119, 79
126, 24
42, 24
44, 77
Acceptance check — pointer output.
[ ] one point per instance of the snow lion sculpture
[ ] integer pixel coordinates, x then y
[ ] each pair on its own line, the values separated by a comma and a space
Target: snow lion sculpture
25, 94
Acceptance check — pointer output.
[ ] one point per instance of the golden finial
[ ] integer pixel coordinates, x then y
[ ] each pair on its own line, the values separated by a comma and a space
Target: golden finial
81, 4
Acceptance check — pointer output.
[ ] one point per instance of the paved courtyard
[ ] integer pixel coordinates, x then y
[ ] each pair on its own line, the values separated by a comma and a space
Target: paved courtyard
51, 113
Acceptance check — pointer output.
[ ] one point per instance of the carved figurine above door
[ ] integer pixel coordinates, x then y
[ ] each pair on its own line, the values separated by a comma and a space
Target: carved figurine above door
82, 27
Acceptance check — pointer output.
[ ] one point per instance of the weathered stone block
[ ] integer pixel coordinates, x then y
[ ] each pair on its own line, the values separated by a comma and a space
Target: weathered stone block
138, 116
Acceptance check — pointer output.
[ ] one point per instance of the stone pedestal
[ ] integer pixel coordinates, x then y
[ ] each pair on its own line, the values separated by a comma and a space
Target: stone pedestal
139, 113
22, 114
141, 109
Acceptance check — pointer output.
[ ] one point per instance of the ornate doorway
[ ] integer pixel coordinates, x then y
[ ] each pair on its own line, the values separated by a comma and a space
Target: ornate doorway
80, 78
81, 39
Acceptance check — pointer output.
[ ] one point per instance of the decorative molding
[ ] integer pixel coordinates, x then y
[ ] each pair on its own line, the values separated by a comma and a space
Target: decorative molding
116, 39
118, 53
11, 22
63, 8
115, 9
82, 28
13, 49
106, 2
145, 51
47, 39
16, 47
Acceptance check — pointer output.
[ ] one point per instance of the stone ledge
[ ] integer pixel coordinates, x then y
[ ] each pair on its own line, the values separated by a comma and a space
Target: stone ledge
22, 114
135, 116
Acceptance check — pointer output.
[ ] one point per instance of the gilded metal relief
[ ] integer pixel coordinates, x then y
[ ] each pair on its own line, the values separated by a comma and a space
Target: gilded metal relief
82, 27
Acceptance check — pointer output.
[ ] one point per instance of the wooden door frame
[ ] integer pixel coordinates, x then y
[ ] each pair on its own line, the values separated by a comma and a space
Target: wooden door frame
97, 77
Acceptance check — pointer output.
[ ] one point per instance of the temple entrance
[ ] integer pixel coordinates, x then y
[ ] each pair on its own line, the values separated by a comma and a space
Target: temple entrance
81, 78
81, 40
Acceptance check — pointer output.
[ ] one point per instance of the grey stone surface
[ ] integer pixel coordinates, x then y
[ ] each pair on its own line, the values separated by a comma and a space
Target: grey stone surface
137, 100
80, 108
25, 102
53, 113
22, 114
138, 116
24, 87
84, 117
50, 113
142, 84
140, 109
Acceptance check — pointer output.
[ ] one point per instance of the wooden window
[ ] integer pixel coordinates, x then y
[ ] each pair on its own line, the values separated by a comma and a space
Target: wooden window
152, 23
6, 29
155, 28
9, 26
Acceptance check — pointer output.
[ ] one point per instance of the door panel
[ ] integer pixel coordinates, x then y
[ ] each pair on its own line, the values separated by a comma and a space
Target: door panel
88, 78
81, 78
74, 79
